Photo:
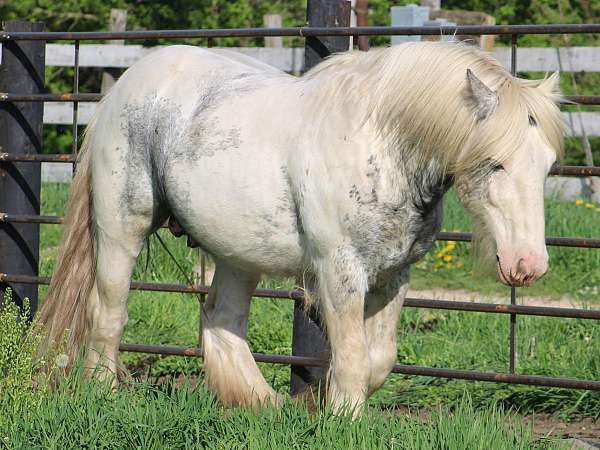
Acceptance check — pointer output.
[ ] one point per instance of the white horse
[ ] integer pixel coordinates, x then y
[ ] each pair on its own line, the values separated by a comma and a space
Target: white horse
337, 176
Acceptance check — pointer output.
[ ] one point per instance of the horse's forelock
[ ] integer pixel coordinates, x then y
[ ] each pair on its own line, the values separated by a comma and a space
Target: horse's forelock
505, 133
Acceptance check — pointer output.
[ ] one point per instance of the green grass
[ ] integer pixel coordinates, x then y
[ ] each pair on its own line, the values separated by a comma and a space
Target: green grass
150, 417
546, 346
80, 413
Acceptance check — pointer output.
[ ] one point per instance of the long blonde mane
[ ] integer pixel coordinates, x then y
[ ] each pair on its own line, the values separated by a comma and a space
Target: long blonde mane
416, 94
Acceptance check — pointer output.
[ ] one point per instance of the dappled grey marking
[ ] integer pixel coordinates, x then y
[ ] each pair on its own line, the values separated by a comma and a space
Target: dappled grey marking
150, 127
159, 134
391, 234
205, 136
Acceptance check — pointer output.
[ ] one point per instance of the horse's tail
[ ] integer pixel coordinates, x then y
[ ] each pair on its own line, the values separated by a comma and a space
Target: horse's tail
63, 315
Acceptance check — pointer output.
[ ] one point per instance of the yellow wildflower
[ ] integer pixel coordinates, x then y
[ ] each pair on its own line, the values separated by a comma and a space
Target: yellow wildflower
589, 205
579, 202
598, 209
459, 265
449, 266
447, 258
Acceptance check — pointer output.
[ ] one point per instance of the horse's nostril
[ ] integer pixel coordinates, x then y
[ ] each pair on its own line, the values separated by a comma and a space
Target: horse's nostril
498, 258
523, 266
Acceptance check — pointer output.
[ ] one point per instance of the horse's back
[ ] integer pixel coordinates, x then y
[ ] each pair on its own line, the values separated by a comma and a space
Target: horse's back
198, 60
185, 69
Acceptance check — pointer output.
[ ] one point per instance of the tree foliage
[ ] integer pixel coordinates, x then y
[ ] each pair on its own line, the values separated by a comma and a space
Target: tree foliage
90, 15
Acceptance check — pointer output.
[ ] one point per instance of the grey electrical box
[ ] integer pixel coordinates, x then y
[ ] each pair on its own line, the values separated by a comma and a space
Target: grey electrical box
408, 16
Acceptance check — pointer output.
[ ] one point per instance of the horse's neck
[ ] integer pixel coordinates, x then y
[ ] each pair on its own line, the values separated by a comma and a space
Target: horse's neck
423, 182
408, 178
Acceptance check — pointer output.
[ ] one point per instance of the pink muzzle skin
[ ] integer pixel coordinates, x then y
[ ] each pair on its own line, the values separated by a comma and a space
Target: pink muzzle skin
524, 272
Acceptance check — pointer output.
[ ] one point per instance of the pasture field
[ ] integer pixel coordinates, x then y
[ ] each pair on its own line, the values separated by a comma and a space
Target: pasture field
79, 413
546, 346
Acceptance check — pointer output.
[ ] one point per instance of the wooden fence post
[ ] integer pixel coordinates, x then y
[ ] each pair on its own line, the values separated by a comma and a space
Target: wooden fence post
117, 22
273, 21
308, 338
21, 72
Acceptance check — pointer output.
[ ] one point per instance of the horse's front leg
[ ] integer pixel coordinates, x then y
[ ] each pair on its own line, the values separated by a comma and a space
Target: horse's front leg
382, 312
342, 287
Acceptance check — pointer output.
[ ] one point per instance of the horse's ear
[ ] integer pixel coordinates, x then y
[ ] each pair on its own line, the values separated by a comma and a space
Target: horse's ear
550, 85
483, 99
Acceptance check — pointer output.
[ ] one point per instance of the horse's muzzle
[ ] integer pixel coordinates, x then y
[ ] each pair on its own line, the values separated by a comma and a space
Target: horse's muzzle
523, 272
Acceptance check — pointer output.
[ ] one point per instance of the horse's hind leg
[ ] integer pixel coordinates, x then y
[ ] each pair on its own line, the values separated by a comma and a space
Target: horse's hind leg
123, 214
107, 313
231, 371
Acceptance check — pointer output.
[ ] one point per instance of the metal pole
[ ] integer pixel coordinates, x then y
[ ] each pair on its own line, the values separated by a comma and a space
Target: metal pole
513, 332
21, 71
470, 30
513, 290
457, 374
75, 104
308, 339
96, 97
202, 297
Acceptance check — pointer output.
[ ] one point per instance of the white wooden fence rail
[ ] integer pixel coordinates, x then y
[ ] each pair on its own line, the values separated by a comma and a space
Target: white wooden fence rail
106, 55
566, 59
529, 59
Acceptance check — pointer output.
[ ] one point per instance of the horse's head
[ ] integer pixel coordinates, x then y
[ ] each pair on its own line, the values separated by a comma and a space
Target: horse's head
518, 128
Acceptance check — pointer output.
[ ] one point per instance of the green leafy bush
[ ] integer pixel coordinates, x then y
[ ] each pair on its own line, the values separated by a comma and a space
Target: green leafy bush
18, 361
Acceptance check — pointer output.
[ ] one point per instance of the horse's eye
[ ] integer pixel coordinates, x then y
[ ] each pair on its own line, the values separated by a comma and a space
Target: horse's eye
532, 121
498, 167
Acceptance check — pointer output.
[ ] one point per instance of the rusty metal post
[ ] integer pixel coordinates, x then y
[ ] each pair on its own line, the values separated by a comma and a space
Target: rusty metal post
21, 71
362, 20
308, 338
512, 362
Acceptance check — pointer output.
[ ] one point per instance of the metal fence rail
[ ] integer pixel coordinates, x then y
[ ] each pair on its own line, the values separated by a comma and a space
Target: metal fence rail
471, 375
303, 32
96, 97
298, 294
511, 309
565, 171
441, 236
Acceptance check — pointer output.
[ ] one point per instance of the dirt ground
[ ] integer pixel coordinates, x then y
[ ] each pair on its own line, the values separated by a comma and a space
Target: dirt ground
578, 427
470, 296
544, 425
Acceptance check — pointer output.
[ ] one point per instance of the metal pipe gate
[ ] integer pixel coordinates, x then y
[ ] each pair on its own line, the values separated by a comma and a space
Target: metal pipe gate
9, 157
